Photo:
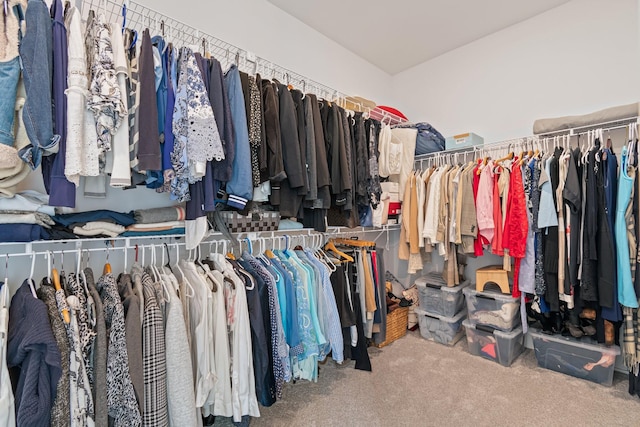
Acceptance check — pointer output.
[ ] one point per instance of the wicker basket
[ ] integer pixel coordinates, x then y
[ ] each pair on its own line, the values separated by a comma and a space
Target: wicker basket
397, 322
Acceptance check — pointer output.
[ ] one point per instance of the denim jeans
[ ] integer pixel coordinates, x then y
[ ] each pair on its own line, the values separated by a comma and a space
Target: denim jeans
36, 52
9, 76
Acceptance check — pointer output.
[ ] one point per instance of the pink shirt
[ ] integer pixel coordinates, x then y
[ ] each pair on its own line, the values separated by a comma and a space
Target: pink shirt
484, 203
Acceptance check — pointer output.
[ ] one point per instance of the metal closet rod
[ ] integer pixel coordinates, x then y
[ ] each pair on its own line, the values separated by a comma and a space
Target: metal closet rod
83, 250
583, 130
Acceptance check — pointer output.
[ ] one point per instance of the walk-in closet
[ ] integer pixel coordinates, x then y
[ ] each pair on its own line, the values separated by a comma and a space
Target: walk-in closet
284, 213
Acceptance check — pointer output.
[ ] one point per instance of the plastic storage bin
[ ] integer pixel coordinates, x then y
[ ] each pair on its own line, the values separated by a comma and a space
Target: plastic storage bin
437, 298
492, 344
463, 140
584, 359
492, 309
441, 329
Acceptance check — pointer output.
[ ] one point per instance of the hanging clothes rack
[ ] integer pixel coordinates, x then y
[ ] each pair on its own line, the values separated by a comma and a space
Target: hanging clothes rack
136, 16
583, 130
502, 148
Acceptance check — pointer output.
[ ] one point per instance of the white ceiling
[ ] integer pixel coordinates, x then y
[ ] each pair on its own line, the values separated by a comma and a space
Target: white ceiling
396, 35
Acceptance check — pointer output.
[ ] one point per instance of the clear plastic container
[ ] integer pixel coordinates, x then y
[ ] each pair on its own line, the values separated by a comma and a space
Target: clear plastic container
441, 329
585, 358
492, 344
437, 298
493, 309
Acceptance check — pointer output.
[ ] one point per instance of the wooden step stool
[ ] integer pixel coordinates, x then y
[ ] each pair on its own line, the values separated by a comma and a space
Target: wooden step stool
492, 274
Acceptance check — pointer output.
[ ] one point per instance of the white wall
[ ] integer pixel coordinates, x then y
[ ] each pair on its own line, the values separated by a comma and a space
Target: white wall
266, 30
574, 59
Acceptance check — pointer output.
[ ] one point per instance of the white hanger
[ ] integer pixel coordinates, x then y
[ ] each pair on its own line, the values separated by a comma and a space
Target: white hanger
190, 293
152, 267
6, 277
160, 278
80, 273
5, 288
49, 266
32, 284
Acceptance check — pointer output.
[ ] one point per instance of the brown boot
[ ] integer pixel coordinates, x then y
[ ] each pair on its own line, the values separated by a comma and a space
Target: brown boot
588, 313
609, 338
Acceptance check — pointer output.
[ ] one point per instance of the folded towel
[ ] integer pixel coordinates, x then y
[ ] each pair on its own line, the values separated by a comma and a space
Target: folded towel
98, 228
169, 232
156, 226
150, 216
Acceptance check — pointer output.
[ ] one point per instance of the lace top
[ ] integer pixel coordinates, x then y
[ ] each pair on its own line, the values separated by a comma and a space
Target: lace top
81, 157
199, 124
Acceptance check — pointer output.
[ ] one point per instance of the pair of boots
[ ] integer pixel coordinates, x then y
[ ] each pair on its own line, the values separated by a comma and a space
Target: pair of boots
587, 321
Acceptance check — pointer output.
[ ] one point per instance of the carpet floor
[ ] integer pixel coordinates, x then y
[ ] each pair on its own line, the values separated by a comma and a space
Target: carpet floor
420, 383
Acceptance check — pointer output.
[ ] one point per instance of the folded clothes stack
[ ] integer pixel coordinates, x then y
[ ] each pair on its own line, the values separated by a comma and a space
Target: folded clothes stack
98, 223
25, 217
157, 222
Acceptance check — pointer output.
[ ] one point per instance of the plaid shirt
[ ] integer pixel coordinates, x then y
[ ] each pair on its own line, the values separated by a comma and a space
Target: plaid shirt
154, 411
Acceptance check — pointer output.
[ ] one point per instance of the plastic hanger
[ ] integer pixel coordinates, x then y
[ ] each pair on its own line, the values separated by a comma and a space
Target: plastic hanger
80, 273
32, 283
161, 280
6, 275
55, 276
190, 293
125, 7
156, 276
330, 246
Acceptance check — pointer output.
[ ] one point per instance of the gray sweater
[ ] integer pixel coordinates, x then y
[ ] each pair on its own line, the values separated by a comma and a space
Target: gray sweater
99, 356
60, 412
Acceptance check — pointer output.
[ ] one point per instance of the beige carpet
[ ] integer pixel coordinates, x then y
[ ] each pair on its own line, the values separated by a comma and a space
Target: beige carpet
419, 383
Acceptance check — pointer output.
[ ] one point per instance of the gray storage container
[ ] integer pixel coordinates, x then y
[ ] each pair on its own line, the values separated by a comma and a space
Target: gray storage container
492, 344
493, 309
585, 358
437, 298
441, 329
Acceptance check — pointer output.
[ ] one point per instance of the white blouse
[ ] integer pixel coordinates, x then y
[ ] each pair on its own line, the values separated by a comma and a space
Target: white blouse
81, 158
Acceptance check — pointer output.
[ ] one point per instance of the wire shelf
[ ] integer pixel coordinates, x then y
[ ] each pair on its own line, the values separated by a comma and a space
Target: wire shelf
498, 149
139, 17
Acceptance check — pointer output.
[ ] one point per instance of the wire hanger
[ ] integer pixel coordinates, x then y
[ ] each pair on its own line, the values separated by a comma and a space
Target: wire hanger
168, 264
107, 266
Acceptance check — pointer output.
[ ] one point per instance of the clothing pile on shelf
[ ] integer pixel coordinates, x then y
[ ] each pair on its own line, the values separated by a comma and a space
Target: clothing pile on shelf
133, 109
182, 344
